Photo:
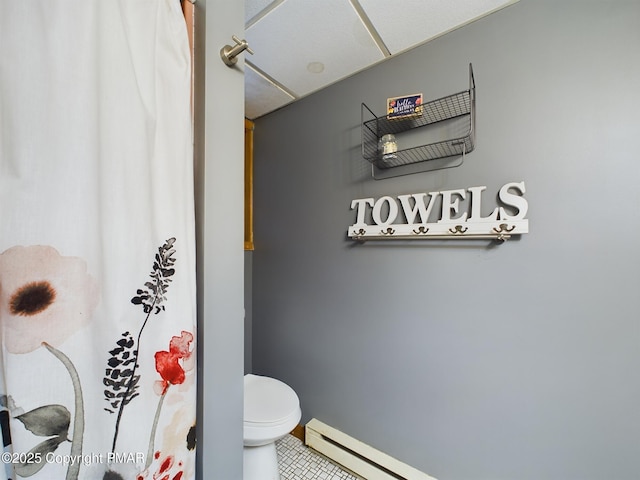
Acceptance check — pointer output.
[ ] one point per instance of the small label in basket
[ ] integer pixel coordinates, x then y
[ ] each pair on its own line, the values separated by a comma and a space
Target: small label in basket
402, 107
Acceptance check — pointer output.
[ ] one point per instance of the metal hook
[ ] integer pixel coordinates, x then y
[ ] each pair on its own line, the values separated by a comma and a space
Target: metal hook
458, 230
503, 227
229, 54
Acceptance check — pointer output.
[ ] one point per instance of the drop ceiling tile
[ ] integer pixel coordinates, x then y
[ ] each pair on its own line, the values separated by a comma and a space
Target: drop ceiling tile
403, 24
307, 45
254, 7
261, 96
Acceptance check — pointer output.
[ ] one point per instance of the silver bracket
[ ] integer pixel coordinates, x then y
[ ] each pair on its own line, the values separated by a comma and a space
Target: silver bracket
230, 53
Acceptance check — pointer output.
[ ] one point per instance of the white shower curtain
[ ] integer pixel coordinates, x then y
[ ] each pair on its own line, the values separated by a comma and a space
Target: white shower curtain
97, 244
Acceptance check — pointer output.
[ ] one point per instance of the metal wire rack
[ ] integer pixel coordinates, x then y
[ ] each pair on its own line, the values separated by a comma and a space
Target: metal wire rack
459, 105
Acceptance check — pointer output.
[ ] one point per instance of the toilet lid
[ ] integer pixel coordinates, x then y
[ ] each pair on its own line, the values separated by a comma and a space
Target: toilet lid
267, 400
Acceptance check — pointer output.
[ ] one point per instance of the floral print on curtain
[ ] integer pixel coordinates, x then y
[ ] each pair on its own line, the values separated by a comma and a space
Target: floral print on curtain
45, 298
97, 241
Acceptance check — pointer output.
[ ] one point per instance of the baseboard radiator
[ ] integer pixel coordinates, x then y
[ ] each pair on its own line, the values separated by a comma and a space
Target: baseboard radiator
361, 459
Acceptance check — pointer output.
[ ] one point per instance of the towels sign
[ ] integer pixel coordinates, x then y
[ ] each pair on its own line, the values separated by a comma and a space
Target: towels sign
458, 213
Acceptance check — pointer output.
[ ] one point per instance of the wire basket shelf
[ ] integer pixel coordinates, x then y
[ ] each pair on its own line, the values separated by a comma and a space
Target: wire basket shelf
460, 105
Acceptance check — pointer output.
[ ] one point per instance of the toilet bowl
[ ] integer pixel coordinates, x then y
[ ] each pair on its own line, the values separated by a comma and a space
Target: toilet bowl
271, 411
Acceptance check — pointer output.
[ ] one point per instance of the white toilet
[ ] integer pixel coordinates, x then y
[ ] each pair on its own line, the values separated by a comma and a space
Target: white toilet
271, 410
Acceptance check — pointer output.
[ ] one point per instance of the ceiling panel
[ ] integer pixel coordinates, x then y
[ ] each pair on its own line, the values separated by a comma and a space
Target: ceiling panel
261, 95
405, 24
302, 46
306, 45
252, 9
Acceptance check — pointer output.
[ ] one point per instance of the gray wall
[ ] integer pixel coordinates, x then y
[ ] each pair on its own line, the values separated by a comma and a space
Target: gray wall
219, 144
469, 360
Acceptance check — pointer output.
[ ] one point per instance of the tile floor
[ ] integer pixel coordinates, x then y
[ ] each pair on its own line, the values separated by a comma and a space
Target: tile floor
298, 462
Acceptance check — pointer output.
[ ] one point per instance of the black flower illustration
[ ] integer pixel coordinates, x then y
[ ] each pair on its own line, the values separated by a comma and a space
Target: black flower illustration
123, 360
119, 374
154, 292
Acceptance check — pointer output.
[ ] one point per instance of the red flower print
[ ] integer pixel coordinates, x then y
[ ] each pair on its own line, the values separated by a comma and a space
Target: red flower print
163, 468
170, 365
166, 465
